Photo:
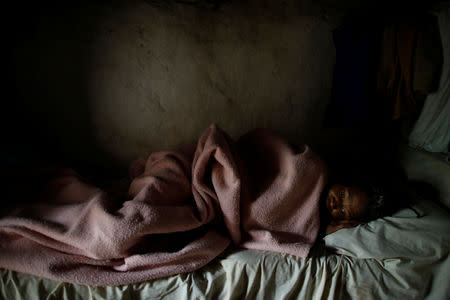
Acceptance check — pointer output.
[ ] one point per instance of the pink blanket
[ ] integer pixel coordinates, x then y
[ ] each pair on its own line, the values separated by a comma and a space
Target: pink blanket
181, 211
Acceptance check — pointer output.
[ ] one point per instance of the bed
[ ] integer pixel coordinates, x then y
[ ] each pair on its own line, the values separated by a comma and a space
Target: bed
141, 58
401, 256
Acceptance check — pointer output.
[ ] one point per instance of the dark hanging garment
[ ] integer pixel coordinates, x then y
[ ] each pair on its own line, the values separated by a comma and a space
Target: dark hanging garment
409, 65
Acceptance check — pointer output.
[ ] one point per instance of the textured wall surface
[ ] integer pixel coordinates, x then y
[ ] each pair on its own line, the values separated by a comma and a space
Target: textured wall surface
115, 81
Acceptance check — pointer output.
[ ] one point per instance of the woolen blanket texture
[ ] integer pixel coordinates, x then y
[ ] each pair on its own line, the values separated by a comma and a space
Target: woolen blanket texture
181, 211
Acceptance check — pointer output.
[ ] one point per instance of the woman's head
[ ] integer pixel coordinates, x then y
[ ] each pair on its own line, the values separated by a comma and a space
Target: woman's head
348, 202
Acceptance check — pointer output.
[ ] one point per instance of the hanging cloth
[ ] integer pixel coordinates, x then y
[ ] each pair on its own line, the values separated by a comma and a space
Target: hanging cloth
394, 80
432, 129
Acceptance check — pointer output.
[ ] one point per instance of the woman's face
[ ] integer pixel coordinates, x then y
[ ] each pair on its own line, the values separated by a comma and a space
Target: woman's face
347, 203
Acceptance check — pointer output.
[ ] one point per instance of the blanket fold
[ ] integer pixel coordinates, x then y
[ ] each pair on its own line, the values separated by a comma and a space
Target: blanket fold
181, 212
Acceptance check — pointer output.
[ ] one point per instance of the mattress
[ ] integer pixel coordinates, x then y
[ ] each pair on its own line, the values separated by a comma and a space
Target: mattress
402, 256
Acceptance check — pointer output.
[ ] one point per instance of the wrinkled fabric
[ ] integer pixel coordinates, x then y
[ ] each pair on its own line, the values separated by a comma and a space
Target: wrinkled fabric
181, 211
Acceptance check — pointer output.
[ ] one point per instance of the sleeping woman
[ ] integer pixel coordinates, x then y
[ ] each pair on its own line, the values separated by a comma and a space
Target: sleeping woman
345, 206
179, 210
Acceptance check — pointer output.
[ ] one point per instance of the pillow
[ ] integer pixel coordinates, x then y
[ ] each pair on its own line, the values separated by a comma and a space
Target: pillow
427, 167
403, 235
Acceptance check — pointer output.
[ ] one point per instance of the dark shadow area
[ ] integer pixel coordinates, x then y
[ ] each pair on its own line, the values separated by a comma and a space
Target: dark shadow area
427, 191
46, 87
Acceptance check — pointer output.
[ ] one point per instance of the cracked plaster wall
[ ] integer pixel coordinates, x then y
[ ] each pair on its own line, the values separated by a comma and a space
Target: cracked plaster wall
111, 81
